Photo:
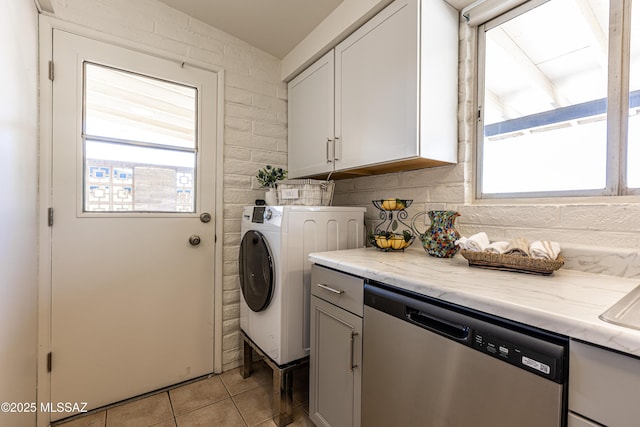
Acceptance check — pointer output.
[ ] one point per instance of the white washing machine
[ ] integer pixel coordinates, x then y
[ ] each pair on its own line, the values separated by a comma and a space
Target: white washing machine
275, 272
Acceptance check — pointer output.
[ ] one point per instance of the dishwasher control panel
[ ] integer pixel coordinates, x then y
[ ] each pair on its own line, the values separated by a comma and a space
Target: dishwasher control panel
514, 354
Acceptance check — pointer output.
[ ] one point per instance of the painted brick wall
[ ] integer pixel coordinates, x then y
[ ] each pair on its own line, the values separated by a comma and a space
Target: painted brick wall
255, 119
611, 223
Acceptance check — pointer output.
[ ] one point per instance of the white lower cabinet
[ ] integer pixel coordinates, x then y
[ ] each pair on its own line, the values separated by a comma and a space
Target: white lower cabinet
603, 387
336, 348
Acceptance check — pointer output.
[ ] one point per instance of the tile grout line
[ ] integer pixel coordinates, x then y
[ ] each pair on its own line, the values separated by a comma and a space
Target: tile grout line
205, 406
233, 401
239, 412
244, 420
173, 411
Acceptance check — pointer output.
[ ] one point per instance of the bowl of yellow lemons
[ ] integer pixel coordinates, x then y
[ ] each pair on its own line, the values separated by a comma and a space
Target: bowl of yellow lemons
388, 241
392, 204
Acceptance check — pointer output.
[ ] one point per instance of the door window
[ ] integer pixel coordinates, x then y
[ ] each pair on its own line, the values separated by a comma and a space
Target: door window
139, 142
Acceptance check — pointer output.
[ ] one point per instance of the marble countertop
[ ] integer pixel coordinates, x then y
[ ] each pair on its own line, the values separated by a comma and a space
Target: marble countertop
567, 302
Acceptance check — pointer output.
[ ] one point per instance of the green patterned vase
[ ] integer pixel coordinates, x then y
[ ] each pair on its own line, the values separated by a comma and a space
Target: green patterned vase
439, 239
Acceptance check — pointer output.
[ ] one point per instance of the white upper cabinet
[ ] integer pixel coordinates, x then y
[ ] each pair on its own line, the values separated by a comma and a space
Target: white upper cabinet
393, 96
311, 119
376, 90
438, 102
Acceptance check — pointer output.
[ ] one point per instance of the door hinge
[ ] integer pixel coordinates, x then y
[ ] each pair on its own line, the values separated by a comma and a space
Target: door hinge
51, 70
49, 362
50, 217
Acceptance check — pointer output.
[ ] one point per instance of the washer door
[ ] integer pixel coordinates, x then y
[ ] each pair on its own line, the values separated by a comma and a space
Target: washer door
257, 273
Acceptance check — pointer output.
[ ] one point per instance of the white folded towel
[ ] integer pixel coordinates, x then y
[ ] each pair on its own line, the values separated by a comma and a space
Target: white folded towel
476, 243
544, 249
518, 246
497, 247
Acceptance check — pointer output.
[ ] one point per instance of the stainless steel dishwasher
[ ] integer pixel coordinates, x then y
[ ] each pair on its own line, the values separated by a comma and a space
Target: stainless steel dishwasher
430, 363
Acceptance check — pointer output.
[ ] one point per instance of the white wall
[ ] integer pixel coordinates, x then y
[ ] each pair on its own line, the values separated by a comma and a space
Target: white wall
606, 223
255, 119
18, 208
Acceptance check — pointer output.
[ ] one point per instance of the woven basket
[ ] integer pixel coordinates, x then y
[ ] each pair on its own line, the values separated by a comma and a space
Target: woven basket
305, 192
520, 264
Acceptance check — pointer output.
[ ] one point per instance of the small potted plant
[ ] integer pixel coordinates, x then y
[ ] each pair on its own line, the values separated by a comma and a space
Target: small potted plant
268, 177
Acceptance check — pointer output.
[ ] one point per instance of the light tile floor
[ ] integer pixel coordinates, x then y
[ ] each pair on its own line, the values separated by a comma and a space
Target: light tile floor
219, 400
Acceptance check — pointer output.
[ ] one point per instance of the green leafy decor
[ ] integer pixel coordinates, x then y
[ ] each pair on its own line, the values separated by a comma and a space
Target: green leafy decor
269, 175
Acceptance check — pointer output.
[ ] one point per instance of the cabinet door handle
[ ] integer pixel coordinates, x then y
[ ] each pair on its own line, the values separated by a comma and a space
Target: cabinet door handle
329, 288
335, 148
353, 341
329, 159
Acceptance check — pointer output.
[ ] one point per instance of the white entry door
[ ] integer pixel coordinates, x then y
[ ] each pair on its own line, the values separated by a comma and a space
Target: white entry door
134, 146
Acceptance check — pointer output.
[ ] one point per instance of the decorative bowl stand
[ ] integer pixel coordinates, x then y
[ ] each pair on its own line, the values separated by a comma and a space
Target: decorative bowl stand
386, 234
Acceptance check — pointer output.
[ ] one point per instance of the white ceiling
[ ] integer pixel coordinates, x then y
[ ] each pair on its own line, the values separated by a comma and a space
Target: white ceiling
460, 4
275, 26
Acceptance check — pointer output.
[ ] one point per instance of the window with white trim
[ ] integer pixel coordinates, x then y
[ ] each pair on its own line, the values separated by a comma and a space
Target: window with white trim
558, 101
139, 142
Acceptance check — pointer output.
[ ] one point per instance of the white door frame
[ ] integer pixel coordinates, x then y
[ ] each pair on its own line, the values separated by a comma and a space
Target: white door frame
46, 26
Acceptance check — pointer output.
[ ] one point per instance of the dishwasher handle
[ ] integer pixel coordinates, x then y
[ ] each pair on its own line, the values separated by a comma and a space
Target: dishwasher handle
441, 326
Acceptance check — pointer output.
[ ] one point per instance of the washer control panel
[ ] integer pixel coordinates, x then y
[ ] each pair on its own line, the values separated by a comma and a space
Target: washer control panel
267, 215
258, 214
